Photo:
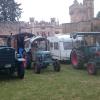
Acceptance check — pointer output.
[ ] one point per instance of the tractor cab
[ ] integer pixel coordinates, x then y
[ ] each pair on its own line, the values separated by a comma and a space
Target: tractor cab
89, 42
17, 41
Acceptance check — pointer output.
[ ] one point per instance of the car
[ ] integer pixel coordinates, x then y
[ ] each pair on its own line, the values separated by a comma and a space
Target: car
86, 51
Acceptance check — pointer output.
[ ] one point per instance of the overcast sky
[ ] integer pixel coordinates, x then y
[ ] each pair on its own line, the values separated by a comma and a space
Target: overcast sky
46, 9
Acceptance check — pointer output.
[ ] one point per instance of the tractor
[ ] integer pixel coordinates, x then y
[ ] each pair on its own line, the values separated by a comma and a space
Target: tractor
86, 51
10, 60
38, 54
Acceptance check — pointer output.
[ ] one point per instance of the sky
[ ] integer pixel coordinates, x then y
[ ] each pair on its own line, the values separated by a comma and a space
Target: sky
46, 9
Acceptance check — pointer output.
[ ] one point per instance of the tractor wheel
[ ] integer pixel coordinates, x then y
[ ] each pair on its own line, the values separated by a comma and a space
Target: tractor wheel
77, 59
57, 66
37, 68
21, 70
91, 68
29, 60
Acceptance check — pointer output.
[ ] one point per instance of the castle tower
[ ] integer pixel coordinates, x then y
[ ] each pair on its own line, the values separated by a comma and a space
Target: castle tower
89, 6
76, 11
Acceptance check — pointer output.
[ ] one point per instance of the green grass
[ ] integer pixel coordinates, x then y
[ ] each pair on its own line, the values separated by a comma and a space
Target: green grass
69, 84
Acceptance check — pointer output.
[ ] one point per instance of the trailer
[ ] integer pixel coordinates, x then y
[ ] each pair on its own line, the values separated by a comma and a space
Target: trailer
61, 46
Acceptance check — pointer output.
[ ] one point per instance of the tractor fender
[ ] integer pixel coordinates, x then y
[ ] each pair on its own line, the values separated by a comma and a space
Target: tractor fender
21, 59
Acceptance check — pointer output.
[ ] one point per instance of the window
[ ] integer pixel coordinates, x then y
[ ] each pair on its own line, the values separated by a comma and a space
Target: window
67, 45
56, 46
78, 42
48, 34
27, 44
3, 42
93, 40
41, 45
51, 45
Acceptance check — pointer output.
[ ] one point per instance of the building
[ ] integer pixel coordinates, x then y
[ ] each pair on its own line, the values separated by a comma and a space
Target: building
82, 18
44, 28
81, 11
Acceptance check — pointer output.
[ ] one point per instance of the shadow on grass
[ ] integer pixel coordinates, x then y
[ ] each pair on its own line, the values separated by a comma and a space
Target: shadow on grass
65, 62
4, 76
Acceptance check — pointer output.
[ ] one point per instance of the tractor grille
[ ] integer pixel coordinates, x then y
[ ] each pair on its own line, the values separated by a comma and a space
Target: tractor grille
7, 55
47, 57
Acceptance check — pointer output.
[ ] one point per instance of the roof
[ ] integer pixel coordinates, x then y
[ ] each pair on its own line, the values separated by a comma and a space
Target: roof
84, 33
60, 37
37, 38
24, 34
4, 36
43, 52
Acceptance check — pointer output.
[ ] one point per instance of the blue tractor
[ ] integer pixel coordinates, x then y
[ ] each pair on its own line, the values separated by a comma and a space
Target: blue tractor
43, 59
40, 55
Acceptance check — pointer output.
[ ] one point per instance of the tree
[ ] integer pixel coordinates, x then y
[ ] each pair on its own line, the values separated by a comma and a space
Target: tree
98, 15
9, 10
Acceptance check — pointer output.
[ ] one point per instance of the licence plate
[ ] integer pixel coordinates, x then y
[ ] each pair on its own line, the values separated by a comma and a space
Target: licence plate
7, 65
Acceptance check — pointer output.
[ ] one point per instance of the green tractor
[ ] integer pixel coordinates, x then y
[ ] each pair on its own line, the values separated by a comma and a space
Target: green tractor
86, 51
38, 54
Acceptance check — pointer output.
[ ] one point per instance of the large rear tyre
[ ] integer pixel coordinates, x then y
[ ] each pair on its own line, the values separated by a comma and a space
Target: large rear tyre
91, 68
57, 66
77, 59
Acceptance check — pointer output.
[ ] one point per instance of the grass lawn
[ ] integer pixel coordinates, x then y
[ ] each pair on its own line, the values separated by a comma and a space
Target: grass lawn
69, 84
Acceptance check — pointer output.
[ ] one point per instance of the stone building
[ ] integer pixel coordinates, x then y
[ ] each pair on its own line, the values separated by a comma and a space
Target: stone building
41, 28
81, 11
82, 18
44, 28
6, 28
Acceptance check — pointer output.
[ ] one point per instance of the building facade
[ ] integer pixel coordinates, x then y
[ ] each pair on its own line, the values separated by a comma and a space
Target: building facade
82, 18
44, 28
81, 11
41, 28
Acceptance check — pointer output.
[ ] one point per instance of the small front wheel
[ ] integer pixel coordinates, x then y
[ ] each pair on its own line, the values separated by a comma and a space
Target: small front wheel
91, 68
57, 66
28, 60
37, 68
21, 70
